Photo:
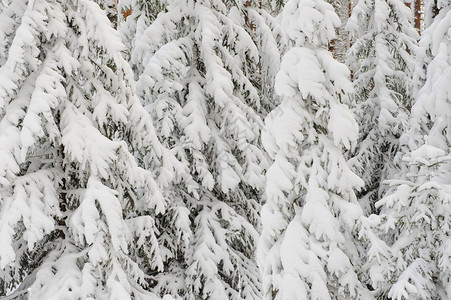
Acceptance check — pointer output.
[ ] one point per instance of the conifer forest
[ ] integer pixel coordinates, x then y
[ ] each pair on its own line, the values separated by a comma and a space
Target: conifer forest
225, 149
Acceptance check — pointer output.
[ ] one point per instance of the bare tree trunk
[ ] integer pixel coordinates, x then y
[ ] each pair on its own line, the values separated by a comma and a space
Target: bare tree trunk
417, 10
418, 14
341, 44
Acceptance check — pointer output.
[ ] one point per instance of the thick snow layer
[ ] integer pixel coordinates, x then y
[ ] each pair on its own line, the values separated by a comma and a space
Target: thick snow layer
342, 125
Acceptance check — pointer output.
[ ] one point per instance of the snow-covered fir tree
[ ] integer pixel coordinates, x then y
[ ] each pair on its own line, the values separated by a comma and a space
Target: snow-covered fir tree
431, 10
77, 214
9, 16
308, 246
197, 64
415, 221
423, 54
256, 17
415, 217
131, 28
259, 19
381, 57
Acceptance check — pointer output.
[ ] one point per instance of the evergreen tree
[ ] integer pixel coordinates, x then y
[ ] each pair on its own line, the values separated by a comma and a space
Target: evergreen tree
415, 217
77, 214
382, 59
197, 66
431, 10
260, 21
424, 55
9, 16
307, 248
132, 27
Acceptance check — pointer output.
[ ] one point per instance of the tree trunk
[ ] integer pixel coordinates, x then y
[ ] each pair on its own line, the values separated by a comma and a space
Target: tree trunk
341, 44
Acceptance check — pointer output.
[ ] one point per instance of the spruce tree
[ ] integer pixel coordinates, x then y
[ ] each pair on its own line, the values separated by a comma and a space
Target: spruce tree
197, 64
259, 19
415, 214
308, 246
77, 213
131, 28
382, 58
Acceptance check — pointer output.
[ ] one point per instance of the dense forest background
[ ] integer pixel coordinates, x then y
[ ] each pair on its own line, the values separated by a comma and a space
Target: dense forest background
225, 149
